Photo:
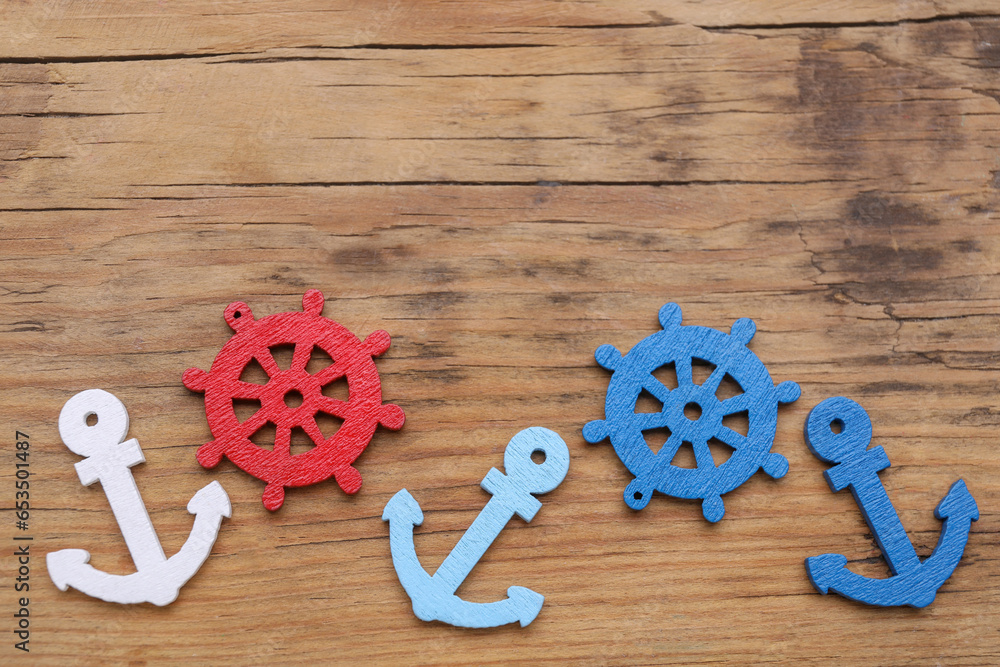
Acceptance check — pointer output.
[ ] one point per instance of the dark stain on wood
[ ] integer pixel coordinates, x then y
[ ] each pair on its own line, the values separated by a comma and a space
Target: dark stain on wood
781, 227
824, 85
430, 304
544, 192
988, 44
367, 255
852, 98
625, 237
886, 253
286, 275
440, 273
431, 349
889, 387
967, 246
940, 39
980, 416
871, 209
873, 263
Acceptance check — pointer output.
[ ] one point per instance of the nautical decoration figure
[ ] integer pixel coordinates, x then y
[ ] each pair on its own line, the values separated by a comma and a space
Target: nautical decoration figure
434, 596
692, 413
292, 397
109, 459
839, 431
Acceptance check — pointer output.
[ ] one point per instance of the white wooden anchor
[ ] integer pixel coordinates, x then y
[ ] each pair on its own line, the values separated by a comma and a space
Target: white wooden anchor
433, 596
109, 459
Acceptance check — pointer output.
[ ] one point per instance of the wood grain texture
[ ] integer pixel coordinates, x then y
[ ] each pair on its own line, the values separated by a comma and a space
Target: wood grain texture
503, 187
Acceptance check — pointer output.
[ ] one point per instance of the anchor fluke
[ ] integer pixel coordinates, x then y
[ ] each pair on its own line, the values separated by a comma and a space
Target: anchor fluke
210, 499
823, 569
958, 504
63, 564
527, 602
403, 507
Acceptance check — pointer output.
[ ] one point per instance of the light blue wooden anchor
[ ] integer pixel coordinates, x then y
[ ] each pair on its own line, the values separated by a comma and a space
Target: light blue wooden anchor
434, 596
839, 431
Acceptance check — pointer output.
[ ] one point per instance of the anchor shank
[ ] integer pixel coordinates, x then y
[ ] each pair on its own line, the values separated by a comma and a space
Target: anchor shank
510, 497
474, 543
133, 520
871, 497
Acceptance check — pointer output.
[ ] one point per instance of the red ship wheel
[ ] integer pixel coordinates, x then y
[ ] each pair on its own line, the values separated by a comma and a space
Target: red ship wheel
361, 413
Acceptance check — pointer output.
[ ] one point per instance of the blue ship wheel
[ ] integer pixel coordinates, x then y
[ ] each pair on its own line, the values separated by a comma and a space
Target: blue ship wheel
681, 346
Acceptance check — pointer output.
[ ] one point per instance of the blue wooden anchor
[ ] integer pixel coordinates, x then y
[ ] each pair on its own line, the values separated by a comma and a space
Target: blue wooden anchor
839, 431
434, 596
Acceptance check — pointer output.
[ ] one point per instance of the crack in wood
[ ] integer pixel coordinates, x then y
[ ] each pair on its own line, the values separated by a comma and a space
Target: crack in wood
823, 25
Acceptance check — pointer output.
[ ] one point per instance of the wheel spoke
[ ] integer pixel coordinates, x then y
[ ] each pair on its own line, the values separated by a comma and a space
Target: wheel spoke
711, 384
251, 425
669, 449
703, 455
739, 403
730, 437
657, 389
645, 421
312, 430
301, 356
267, 362
247, 390
283, 440
683, 368
332, 406
332, 372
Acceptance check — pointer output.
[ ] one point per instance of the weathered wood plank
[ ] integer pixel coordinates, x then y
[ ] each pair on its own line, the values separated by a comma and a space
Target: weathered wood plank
504, 187
189, 28
496, 298
676, 104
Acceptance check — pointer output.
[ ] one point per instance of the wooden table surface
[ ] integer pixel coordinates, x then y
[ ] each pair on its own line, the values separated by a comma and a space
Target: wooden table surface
503, 187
